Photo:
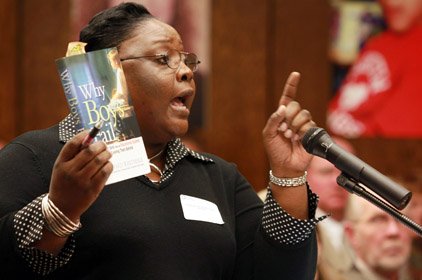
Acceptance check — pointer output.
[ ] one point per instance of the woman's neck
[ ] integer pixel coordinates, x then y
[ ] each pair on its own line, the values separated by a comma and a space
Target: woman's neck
156, 157
155, 151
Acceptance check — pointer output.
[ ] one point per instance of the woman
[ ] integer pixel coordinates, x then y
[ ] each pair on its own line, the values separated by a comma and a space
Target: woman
193, 217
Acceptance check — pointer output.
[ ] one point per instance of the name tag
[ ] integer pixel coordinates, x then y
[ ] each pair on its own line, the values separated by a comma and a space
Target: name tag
197, 209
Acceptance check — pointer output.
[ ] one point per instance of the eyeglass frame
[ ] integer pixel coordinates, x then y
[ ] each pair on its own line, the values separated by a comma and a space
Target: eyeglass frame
164, 55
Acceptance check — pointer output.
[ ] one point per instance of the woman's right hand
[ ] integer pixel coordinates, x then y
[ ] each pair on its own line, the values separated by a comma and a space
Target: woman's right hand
79, 175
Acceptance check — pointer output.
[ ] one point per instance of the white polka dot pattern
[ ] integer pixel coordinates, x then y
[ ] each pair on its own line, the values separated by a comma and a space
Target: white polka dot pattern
67, 129
28, 225
176, 151
283, 228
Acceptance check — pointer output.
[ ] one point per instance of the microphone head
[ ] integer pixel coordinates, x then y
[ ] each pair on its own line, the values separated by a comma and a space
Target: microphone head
316, 141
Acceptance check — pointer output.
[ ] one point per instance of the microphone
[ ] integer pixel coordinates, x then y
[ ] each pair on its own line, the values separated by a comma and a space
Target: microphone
316, 141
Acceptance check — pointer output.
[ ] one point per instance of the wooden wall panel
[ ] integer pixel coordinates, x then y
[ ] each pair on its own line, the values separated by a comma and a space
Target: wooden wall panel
300, 44
256, 44
45, 30
8, 68
238, 85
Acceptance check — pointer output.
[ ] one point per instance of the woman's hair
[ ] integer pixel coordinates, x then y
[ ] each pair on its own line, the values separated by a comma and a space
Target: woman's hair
111, 27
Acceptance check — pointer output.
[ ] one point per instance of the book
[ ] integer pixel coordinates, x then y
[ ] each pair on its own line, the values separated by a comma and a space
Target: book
95, 90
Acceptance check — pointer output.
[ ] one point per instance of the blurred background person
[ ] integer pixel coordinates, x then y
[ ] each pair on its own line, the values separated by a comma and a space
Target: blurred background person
325, 270
381, 245
380, 95
322, 176
412, 180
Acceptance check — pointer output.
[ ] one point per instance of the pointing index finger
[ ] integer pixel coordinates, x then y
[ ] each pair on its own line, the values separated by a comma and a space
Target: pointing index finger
290, 88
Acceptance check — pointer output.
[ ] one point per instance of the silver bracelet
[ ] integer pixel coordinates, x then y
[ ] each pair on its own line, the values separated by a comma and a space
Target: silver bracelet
56, 221
288, 182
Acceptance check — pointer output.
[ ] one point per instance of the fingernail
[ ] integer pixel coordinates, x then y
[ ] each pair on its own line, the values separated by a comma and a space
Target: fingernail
281, 109
288, 133
283, 126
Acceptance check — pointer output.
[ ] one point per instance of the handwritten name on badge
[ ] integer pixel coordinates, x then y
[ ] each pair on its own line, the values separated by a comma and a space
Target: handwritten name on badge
197, 209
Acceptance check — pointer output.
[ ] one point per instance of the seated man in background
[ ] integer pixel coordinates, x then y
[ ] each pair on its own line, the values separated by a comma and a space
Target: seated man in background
412, 181
381, 245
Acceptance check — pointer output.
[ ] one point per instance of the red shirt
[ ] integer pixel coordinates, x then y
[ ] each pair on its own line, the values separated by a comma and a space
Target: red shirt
382, 93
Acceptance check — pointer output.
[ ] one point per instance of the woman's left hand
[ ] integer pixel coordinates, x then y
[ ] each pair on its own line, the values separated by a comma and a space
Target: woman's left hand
283, 132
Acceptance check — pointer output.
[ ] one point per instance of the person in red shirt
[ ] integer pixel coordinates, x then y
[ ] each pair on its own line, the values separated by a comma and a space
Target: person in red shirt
382, 92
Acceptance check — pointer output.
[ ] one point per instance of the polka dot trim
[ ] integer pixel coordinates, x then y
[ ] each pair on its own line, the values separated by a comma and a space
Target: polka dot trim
176, 151
67, 129
285, 229
28, 225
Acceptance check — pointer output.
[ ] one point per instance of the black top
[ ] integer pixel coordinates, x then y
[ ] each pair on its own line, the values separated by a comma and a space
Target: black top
137, 230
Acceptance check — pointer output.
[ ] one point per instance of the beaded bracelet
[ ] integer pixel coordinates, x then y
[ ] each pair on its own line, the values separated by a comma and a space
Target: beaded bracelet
288, 182
56, 221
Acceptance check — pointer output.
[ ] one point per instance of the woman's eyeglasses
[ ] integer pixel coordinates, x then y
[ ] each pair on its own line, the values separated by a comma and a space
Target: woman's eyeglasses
172, 59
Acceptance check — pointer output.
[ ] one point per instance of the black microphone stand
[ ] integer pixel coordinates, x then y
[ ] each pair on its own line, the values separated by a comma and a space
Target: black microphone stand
357, 188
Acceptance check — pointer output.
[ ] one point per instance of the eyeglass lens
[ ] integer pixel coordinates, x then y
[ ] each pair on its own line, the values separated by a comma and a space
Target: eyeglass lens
174, 59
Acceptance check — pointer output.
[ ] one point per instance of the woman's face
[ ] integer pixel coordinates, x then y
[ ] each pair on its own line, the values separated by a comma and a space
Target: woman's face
162, 96
402, 14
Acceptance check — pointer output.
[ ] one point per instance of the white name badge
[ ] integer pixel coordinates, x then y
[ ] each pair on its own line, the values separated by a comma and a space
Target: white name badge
197, 209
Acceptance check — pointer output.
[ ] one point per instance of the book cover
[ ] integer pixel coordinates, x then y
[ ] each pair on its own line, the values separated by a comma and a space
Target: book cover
95, 88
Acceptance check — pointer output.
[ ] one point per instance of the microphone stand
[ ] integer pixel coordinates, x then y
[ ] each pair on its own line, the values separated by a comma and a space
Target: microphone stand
355, 188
